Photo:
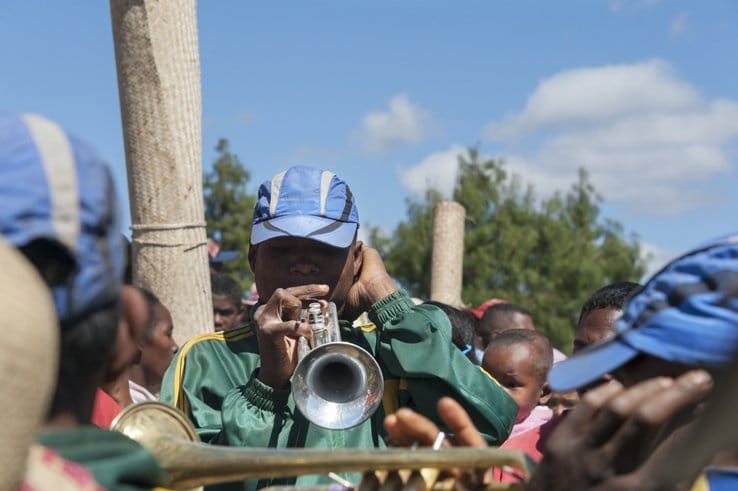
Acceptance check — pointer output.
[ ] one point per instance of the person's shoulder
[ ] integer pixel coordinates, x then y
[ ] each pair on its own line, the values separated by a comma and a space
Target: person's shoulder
238, 340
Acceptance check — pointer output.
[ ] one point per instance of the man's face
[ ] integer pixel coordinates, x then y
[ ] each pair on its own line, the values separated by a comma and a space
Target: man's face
514, 368
595, 326
285, 262
225, 312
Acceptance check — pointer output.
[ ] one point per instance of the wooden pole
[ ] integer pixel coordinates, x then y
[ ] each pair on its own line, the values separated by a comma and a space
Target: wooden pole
447, 260
156, 52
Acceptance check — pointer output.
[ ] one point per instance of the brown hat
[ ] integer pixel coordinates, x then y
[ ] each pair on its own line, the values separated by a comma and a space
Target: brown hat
29, 354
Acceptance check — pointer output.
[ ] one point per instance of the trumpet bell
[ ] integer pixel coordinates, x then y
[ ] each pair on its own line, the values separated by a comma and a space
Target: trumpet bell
337, 385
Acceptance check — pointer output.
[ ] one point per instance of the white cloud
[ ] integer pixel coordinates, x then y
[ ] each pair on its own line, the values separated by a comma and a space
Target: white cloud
648, 139
678, 25
438, 171
588, 95
655, 258
404, 123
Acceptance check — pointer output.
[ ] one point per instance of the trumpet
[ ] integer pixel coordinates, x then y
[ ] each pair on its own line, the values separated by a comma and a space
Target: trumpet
167, 434
336, 385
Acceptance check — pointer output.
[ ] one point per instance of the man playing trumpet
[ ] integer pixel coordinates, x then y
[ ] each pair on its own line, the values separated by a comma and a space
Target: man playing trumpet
235, 385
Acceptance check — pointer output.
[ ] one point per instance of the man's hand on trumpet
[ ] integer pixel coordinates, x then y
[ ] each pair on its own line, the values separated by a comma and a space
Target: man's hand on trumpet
277, 328
408, 428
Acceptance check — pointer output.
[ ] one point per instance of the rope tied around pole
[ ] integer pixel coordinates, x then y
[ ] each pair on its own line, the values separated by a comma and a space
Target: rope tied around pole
151, 229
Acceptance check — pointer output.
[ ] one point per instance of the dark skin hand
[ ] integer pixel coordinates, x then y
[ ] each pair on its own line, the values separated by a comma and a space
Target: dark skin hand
406, 427
713, 435
618, 438
372, 284
278, 329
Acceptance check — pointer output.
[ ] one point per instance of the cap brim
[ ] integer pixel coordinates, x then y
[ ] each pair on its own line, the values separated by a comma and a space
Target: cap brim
224, 256
326, 230
590, 364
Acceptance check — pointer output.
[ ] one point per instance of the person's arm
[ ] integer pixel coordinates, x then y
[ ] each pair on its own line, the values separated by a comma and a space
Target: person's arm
204, 370
277, 326
255, 411
414, 343
180, 389
255, 414
406, 428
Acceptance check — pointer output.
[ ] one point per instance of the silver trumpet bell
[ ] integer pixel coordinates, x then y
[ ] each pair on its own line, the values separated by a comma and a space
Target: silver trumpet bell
336, 385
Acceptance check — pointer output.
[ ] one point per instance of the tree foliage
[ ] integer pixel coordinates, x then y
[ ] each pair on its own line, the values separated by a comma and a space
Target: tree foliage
229, 209
548, 255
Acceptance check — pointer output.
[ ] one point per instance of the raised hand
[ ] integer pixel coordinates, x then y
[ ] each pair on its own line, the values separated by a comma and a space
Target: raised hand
618, 438
372, 284
406, 428
277, 328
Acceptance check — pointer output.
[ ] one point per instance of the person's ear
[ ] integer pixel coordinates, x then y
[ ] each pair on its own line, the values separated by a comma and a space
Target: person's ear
544, 394
127, 301
252, 256
358, 258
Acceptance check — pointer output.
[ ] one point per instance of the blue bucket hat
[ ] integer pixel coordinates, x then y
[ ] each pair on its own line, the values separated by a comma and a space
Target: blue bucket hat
687, 313
53, 186
305, 202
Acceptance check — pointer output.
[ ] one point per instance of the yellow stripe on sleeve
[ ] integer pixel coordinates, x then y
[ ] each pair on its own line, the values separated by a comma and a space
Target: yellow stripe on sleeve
233, 335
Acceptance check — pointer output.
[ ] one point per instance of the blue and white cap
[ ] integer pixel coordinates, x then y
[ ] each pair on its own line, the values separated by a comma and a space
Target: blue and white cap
305, 202
53, 186
687, 313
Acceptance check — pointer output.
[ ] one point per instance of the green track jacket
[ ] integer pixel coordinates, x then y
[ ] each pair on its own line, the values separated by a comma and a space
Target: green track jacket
213, 380
117, 462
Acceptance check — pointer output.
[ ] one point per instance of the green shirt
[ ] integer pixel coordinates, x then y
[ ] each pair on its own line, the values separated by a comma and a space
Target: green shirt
213, 379
117, 462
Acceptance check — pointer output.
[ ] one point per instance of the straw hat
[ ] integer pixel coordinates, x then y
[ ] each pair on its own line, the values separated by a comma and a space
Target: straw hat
29, 355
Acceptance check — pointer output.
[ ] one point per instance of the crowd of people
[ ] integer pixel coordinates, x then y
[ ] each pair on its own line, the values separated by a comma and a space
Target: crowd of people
647, 372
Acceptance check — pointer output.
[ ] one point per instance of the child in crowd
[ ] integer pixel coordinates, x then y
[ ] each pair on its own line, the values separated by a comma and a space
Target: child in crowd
519, 359
157, 350
227, 305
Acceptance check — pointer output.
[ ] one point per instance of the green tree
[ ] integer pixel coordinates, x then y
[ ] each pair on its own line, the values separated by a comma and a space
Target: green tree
229, 209
548, 255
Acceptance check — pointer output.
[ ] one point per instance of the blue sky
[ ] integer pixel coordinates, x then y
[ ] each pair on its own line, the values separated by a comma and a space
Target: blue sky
644, 94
